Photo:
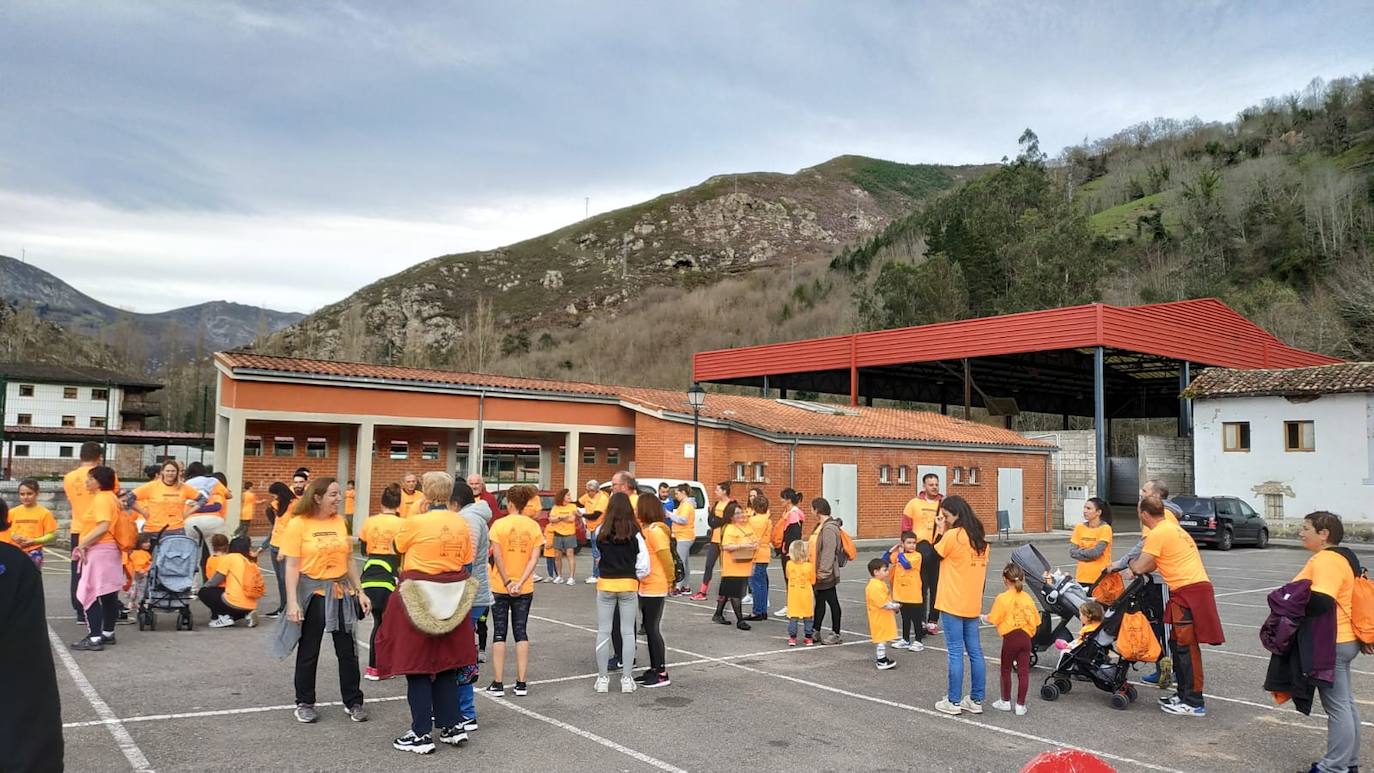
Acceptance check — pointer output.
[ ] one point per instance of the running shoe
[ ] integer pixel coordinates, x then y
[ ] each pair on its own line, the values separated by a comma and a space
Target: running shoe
748, 599
792, 641
781, 612
627, 684
453, 736
223, 621
469, 723
809, 641
521, 689
306, 713
603, 684
901, 644
273, 615
481, 656
720, 619
1151, 678
885, 663
917, 647
372, 674
590, 580
357, 713
698, 596
1002, 705
743, 626
656, 679
1168, 700
1021, 712
251, 620
1184, 710
830, 638
933, 628
496, 690
87, 644
945, 707
417, 744
971, 706
613, 664
537, 578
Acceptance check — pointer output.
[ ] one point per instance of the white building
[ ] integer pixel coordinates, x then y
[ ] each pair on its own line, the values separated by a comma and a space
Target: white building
1288, 441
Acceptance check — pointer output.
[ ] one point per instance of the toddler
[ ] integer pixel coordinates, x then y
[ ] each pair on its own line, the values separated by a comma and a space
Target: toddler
1016, 618
905, 561
801, 596
882, 624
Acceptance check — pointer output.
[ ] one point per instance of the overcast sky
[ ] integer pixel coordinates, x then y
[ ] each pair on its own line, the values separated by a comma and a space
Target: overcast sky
156, 154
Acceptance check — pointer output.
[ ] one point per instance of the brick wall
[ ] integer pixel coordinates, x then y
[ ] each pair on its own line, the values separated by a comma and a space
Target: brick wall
602, 469
1167, 458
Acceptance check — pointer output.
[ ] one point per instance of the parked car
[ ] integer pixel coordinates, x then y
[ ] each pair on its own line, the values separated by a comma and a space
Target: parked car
1222, 521
545, 504
649, 486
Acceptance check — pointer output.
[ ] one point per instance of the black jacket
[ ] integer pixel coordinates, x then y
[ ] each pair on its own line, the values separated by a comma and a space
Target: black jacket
30, 714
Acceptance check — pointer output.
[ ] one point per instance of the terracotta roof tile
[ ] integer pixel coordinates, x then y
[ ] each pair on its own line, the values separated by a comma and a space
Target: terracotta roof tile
1323, 380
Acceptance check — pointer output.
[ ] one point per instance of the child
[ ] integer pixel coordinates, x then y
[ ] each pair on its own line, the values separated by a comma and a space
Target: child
139, 559
550, 557
882, 624
31, 525
905, 562
232, 590
1090, 615
801, 596
1016, 618
247, 506
378, 536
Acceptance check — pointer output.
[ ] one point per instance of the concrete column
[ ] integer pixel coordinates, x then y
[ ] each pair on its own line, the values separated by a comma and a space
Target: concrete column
449, 457
545, 465
345, 448
571, 459
362, 474
233, 429
221, 457
1100, 418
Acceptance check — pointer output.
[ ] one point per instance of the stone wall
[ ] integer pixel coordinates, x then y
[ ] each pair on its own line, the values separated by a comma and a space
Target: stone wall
1075, 464
50, 495
1167, 458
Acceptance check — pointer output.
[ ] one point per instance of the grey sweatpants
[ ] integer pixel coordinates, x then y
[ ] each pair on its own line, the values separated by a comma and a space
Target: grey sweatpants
1342, 716
606, 603
684, 551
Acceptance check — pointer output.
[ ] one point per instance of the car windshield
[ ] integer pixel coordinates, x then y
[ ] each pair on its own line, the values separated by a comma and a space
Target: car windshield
1194, 505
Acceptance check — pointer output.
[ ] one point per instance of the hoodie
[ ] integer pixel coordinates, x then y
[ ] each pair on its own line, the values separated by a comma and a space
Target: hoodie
478, 515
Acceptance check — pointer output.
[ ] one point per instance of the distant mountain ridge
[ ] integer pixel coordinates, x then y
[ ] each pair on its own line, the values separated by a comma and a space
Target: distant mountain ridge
150, 340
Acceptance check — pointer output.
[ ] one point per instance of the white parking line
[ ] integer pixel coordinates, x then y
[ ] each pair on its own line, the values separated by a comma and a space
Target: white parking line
1252, 590
590, 736
137, 760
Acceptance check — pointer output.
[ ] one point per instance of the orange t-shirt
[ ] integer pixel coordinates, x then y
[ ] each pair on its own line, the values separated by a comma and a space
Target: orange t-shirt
517, 537
279, 528
734, 564
1330, 573
906, 583
719, 510
882, 623
435, 542
762, 526
922, 513
962, 575
74, 484
1013, 610
350, 501
379, 532
594, 503
140, 560
563, 528
247, 506
164, 504
31, 522
322, 545
1176, 555
234, 567
656, 582
104, 509
410, 503
219, 495
686, 532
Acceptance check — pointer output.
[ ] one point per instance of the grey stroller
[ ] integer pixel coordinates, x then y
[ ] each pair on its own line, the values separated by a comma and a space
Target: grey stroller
170, 577
1059, 599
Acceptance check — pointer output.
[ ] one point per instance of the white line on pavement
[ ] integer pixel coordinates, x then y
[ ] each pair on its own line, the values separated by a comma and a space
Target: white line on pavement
590, 736
1252, 590
123, 740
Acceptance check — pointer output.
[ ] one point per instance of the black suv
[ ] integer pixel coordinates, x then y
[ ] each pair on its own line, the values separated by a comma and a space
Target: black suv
1222, 521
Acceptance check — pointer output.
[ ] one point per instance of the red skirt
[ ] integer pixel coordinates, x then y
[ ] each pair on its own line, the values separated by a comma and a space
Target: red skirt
401, 648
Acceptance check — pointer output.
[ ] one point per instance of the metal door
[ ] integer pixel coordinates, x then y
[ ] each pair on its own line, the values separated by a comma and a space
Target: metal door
840, 487
1010, 496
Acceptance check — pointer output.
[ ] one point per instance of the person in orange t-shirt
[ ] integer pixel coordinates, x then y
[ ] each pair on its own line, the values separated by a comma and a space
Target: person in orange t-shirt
653, 591
516, 545
248, 506
79, 497
31, 525
102, 571
1016, 618
963, 551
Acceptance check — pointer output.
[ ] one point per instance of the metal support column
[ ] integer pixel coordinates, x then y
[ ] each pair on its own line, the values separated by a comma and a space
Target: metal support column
1100, 418
1185, 407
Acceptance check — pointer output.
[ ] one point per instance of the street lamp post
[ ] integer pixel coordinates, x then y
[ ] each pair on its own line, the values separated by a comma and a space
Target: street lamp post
696, 396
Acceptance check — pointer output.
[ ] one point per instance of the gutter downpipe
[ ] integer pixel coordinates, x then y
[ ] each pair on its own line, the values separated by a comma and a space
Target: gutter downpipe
792, 465
477, 445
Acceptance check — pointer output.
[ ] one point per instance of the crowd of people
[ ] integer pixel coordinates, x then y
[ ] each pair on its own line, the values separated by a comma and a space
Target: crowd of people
444, 566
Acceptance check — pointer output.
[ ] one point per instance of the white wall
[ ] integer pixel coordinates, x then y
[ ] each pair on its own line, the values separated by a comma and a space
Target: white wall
1337, 476
48, 406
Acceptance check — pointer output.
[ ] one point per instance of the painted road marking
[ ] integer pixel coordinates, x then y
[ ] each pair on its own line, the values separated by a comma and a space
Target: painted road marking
137, 760
590, 736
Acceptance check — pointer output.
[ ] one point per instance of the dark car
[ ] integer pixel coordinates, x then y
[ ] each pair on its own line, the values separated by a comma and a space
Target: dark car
1222, 521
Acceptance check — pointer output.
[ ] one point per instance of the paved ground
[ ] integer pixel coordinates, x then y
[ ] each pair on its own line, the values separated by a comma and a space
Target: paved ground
212, 700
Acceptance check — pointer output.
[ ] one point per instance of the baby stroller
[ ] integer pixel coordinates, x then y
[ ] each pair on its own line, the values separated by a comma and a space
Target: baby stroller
1096, 659
1059, 599
170, 576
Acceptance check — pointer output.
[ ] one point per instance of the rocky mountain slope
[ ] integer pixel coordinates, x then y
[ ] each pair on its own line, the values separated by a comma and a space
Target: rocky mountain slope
25, 338
149, 340
471, 310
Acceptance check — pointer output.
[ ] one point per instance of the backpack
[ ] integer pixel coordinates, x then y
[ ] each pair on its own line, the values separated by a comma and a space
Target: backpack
1362, 600
1108, 589
776, 538
679, 571
124, 531
1135, 640
848, 550
253, 586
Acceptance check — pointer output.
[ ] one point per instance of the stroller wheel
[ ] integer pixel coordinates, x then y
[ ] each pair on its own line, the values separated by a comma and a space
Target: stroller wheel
152, 620
1132, 693
142, 620
1034, 658
1120, 701
184, 620
1065, 686
1049, 692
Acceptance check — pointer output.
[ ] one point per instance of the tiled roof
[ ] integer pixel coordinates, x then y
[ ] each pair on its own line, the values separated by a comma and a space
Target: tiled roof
767, 415
46, 373
363, 370
1322, 380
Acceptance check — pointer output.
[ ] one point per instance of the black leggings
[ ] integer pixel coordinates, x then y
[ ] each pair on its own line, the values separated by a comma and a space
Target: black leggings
651, 610
212, 596
102, 614
76, 578
378, 597
712, 555
308, 656
913, 620
513, 609
930, 578
828, 597
481, 626
734, 604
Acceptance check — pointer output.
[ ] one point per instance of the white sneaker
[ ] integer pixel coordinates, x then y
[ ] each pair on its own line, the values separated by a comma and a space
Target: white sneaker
537, 578
748, 599
627, 684
252, 620
572, 580
781, 612
944, 706
590, 580
971, 706
1002, 705
901, 644
223, 621
603, 684
917, 647
1020, 709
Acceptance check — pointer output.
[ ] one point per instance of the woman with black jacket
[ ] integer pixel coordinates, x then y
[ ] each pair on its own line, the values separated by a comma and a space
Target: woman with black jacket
624, 561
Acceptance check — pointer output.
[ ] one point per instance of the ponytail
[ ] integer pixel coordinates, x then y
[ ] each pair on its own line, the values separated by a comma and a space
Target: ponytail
1013, 574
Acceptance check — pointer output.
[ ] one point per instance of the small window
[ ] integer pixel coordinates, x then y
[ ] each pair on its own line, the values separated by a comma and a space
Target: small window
760, 472
903, 474
26, 390
562, 454
69, 393
64, 452
97, 422
429, 451
25, 419
100, 394
316, 447
1235, 436
1299, 436
252, 446
589, 456
739, 470
612, 456
69, 421
956, 476
284, 446
399, 449
1273, 507
21, 450
884, 473
973, 476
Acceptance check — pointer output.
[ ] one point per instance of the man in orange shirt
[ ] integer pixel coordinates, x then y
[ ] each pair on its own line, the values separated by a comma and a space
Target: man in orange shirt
919, 518
410, 497
1192, 607
74, 483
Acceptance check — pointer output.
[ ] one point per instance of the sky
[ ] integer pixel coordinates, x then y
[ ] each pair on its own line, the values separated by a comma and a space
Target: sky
158, 154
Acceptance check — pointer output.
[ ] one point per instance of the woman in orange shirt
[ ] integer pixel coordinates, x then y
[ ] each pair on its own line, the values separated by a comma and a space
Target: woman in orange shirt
963, 551
102, 566
278, 511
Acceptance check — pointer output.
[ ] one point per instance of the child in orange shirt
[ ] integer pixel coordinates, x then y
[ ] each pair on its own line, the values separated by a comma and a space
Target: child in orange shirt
905, 561
801, 593
137, 562
1016, 618
550, 557
882, 624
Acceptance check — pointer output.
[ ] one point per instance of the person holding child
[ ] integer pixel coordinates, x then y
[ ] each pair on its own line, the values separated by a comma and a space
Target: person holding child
905, 561
882, 623
1016, 618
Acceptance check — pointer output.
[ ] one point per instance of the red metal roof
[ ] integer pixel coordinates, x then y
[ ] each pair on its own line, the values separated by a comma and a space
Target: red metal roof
1204, 331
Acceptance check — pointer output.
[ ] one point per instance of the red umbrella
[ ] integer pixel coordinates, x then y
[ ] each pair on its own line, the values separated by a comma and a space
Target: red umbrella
1067, 761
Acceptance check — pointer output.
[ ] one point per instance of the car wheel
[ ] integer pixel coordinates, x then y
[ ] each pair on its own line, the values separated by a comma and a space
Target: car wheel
1263, 541
1226, 540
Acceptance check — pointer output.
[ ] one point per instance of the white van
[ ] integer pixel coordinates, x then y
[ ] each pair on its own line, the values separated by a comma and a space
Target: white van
649, 486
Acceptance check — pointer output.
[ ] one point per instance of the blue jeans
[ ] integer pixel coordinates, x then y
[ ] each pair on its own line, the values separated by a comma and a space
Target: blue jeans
792, 626
467, 706
758, 588
961, 633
